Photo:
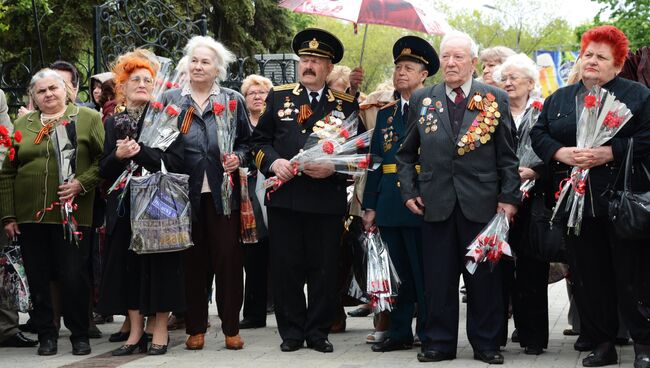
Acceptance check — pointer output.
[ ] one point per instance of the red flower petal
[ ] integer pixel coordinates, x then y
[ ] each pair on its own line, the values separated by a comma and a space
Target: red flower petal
328, 147
3, 130
232, 105
171, 111
590, 101
18, 136
537, 105
217, 108
344, 133
360, 143
12, 154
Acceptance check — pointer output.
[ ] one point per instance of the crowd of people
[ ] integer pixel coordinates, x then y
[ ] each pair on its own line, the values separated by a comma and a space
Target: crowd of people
449, 163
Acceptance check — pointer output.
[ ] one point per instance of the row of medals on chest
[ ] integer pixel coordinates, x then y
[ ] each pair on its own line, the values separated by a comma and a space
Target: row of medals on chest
289, 108
481, 129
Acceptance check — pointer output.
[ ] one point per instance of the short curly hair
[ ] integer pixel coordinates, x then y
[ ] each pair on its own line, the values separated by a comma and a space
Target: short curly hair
610, 35
125, 65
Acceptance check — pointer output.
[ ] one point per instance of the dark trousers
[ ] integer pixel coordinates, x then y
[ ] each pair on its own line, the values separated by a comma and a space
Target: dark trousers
216, 250
48, 256
405, 249
530, 301
256, 265
607, 274
305, 248
444, 245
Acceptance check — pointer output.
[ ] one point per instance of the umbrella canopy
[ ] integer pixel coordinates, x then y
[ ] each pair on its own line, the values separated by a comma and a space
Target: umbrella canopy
416, 15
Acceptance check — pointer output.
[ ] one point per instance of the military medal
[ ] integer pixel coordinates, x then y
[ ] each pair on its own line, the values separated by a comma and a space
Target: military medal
483, 126
439, 106
426, 101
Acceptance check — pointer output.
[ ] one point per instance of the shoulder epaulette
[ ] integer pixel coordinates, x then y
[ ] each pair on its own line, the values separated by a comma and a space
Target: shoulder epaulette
392, 103
343, 96
285, 87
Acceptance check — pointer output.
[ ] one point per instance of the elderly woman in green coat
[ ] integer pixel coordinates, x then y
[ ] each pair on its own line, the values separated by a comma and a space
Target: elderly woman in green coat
32, 194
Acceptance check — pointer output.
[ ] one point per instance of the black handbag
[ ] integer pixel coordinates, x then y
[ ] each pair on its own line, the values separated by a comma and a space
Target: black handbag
629, 211
546, 237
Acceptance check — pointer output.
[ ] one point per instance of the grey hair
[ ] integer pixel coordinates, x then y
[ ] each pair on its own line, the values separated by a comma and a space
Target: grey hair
521, 62
223, 55
498, 53
454, 34
48, 73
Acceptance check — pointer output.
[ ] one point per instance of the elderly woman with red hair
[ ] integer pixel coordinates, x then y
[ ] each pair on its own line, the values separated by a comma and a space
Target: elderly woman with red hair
132, 284
604, 267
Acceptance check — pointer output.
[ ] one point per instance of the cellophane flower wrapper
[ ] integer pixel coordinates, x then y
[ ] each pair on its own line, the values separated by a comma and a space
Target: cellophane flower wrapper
14, 289
601, 117
334, 129
382, 279
226, 132
66, 158
527, 157
248, 226
340, 149
490, 245
160, 213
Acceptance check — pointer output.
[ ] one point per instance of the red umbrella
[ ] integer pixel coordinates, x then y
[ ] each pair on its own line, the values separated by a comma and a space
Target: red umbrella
416, 15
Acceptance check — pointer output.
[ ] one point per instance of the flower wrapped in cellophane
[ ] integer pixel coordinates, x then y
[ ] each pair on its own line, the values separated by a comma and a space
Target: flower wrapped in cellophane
225, 112
248, 226
601, 117
334, 142
382, 279
527, 157
7, 149
490, 245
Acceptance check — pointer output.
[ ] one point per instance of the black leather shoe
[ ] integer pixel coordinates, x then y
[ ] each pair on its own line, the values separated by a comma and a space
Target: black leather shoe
119, 336
80, 347
290, 345
489, 356
515, 336
360, 312
434, 356
583, 345
391, 345
249, 323
19, 341
323, 346
642, 360
156, 349
94, 332
601, 357
47, 347
533, 350
129, 349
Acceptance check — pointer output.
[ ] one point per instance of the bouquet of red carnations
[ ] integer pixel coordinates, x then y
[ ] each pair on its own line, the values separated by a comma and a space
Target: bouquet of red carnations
7, 140
601, 117
525, 153
334, 141
382, 279
490, 245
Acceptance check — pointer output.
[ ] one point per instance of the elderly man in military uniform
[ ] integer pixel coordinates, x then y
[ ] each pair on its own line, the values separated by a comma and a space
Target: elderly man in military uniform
462, 136
415, 60
305, 214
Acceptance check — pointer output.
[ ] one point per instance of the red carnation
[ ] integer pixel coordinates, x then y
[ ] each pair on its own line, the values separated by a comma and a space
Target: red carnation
344, 133
612, 121
364, 163
232, 105
328, 147
157, 105
3, 130
217, 108
360, 143
5, 141
18, 136
537, 105
65, 122
12, 154
171, 111
590, 101
170, 84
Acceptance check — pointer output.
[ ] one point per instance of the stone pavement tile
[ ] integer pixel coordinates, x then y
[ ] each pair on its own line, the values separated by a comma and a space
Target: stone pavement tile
262, 349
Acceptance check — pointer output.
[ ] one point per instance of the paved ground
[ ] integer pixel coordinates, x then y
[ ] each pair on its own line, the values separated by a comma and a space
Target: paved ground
350, 351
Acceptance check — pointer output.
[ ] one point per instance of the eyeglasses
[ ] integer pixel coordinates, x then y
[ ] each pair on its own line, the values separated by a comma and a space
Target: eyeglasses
513, 77
136, 80
255, 94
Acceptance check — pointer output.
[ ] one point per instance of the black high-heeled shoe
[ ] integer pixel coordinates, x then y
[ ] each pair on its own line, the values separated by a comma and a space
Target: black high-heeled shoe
156, 349
129, 349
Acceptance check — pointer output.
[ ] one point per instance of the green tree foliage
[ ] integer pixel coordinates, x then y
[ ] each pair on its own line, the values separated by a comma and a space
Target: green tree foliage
631, 16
